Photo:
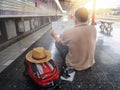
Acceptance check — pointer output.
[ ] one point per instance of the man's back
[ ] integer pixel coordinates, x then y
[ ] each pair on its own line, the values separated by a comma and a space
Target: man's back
81, 42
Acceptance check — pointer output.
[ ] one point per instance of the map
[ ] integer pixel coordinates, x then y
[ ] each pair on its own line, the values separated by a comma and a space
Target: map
60, 26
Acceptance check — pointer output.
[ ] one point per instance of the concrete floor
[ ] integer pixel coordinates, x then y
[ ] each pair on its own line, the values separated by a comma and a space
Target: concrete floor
8, 55
104, 75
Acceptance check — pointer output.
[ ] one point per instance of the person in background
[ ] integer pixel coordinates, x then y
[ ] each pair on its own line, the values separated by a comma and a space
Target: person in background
77, 44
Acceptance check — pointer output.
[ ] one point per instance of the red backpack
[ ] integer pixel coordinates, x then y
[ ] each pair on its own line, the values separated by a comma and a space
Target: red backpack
43, 74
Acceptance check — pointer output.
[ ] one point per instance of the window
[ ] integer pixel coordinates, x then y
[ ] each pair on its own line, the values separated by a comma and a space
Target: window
36, 5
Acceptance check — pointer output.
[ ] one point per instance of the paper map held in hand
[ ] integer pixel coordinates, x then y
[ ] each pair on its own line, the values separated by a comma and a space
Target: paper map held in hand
60, 26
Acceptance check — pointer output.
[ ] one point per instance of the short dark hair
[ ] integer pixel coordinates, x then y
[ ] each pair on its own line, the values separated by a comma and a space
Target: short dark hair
81, 14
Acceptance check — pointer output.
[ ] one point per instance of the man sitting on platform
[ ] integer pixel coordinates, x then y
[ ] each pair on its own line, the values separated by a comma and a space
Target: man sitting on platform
77, 45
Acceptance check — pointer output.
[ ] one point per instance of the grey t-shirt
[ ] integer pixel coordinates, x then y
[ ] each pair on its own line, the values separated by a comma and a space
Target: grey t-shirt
81, 41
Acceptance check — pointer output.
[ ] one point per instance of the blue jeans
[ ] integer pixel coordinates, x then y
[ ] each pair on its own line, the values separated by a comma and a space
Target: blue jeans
62, 49
66, 70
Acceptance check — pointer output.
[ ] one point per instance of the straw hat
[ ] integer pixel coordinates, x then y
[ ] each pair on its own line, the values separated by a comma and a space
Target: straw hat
38, 55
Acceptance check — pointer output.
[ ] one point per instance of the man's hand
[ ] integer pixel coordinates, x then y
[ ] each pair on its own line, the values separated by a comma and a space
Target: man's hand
53, 33
57, 39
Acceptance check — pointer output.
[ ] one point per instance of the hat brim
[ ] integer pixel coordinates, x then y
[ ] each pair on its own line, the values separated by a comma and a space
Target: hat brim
30, 59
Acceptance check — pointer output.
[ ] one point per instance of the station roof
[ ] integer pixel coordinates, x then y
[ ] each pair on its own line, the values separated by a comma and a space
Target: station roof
72, 4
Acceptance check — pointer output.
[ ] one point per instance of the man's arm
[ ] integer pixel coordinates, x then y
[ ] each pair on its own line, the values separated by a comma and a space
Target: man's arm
57, 39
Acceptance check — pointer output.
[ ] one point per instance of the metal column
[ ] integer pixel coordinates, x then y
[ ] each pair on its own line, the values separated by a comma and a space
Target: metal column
93, 12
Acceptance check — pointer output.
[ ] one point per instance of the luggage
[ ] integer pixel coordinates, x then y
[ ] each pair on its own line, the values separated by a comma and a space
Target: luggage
44, 74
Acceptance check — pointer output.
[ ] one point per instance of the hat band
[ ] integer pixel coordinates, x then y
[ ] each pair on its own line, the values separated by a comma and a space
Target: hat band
39, 58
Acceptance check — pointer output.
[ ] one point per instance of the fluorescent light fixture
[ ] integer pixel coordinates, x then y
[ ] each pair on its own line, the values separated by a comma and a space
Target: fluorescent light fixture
58, 3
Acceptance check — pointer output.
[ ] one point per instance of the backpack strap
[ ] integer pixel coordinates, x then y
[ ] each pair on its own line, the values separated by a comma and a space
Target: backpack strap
35, 70
39, 68
33, 67
52, 63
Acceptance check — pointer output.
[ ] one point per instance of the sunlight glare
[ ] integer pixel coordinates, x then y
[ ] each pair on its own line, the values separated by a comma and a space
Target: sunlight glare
103, 4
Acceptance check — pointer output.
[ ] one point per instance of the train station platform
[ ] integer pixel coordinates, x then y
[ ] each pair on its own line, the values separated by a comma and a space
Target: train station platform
104, 75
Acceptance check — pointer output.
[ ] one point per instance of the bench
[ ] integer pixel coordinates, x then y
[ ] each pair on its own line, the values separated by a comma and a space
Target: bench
106, 27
